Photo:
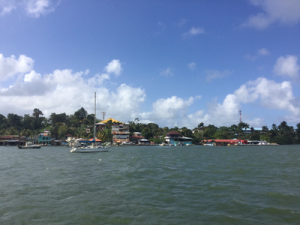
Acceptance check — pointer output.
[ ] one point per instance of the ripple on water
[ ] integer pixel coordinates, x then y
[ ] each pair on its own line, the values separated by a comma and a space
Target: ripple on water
148, 185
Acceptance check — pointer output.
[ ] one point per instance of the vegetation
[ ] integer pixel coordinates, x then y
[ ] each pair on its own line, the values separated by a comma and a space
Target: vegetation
76, 125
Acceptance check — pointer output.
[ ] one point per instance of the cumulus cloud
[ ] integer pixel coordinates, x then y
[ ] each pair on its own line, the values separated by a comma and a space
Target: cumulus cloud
98, 79
215, 74
168, 110
284, 12
271, 94
114, 67
67, 91
11, 66
174, 111
166, 72
34, 8
287, 66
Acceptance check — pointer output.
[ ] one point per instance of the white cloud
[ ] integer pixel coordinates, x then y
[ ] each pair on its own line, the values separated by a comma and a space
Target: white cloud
195, 31
114, 67
174, 111
98, 79
34, 8
283, 11
168, 111
272, 95
287, 66
11, 66
32, 76
215, 74
167, 72
263, 51
192, 66
67, 91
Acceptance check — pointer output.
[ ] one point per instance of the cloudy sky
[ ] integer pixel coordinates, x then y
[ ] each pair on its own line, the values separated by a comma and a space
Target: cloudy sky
172, 62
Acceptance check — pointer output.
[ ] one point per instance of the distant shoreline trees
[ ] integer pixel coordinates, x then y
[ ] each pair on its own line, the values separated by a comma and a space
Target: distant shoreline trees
78, 123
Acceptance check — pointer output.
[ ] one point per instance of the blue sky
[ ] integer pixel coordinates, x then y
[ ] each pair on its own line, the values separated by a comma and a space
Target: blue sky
174, 63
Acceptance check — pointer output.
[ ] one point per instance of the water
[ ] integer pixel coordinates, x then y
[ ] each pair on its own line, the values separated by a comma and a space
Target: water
151, 185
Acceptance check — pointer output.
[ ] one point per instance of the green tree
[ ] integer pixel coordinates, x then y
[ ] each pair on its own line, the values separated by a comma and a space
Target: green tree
210, 131
14, 120
3, 122
146, 132
36, 114
62, 131
81, 113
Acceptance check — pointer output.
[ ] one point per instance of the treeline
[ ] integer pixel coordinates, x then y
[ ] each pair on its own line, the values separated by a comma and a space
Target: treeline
80, 122
281, 134
58, 124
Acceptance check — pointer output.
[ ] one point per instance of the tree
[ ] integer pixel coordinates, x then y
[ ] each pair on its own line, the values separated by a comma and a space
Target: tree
81, 113
146, 132
14, 120
36, 114
298, 133
80, 131
210, 131
62, 131
3, 122
200, 125
264, 129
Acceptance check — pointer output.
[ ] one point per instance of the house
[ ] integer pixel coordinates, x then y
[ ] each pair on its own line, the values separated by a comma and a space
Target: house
144, 142
173, 137
120, 133
44, 138
136, 137
8, 140
100, 126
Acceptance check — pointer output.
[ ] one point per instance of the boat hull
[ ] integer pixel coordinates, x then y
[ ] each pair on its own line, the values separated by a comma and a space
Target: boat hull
88, 150
28, 147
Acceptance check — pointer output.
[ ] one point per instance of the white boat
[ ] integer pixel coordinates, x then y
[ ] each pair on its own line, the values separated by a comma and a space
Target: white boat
29, 145
89, 149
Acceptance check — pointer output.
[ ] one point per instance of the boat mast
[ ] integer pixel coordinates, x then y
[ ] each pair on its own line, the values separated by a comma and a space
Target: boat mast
95, 121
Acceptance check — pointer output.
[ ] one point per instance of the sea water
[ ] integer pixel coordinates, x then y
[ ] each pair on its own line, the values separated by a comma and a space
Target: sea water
151, 185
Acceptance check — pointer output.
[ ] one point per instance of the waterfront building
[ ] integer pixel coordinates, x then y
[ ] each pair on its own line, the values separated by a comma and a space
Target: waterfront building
44, 138
120, 133
136, 137
175, 138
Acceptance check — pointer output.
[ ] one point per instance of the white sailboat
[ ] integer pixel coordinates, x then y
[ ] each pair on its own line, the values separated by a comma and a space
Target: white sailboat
93, 147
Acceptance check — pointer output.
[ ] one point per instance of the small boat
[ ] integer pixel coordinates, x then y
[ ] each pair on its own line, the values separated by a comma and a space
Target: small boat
75, 148
29, 145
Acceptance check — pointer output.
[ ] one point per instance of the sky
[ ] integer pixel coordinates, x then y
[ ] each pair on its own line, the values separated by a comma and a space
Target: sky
170, 62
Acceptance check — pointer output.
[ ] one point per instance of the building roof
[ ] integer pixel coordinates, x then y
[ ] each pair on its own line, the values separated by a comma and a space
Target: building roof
173, 133
137, 136
93, 139
112, 120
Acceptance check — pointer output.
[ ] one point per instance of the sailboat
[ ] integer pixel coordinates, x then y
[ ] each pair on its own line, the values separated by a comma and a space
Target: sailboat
93, 147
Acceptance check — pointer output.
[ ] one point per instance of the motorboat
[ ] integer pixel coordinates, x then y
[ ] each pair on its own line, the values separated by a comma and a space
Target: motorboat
29, 145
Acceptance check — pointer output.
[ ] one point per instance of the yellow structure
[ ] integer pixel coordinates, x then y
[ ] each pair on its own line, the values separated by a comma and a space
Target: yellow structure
112, 120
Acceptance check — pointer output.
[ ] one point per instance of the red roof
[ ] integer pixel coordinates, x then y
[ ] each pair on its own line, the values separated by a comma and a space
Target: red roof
136, 136
93, 139
68, 135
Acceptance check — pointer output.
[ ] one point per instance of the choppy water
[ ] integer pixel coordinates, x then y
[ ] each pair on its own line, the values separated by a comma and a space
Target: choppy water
151, 185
